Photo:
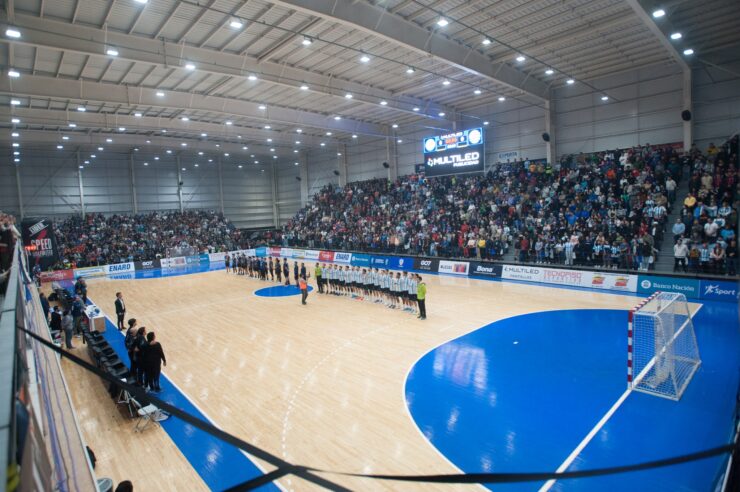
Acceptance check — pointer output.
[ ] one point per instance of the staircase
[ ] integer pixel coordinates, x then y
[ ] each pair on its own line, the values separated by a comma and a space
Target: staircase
665, 257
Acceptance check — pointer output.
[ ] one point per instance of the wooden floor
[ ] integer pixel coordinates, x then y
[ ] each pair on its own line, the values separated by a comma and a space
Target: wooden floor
319, 385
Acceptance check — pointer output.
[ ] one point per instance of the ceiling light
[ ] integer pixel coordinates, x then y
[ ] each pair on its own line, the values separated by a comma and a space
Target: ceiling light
183, 144
570, 81
502, 98
109, 140
267, 127
339, 153
15, 102
81, 109
245, 148
395, 125
383, 103
82, 167
226, 154
16, 160
122, 129
87, 162
65, 137
15, 120
239, 136
136, 149
486, 41
520, 58
16, 153
168, 151
160, 94
410, 70
185, 118
210, 160
100, 149
141, 1
657, 14
164, 131
306, 41
183, 168
298, 130
252, 77
295, 151
399, 141
364, 58
354, 136
229, 123
16, 144
446, 82
137, 115
12, 33
60, 147
15, 135
73, 125
549, 71
269, 140
240, 166
676, 35
236, 24
304, 87
295, 163
92, 156
111, 52
442, 22
13, 74
190, 66
337, 118
156, 158
274, 157
441, 113
298, 142
148, 141
256, 162
477, 92
328, 134
604, 98
348, 96
416, 109
262, 107
203, 135
485, 123
688, 52
322, 144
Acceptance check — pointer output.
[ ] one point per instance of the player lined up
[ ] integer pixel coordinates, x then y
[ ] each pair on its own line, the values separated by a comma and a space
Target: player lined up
264, 268
397, 290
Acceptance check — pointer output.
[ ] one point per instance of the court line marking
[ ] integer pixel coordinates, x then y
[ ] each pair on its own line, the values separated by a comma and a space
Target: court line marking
586, 440
210, 420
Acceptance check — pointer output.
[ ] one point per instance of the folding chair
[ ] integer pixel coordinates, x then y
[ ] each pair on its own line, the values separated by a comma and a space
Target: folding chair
147, 414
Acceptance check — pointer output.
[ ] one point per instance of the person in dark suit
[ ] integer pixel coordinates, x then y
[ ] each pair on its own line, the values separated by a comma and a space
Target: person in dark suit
44, 306
81, 289
120, 310
295, 272
153, 359
140, 346
56, 320
286, 271
77, 312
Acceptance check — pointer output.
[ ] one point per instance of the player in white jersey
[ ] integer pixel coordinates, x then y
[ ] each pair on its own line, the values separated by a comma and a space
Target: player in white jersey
412, 284
403, 291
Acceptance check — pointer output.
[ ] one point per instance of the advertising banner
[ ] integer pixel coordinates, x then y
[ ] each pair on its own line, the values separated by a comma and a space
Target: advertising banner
192, 260
512, 155
96, 271
361, 260
401, 263
39, 241
380, 262
204, 258
573, 278
261, 251
57, 275
216, 257
312, 254
516, 272
274, 251
719, 290
613, 281
173, 262
453, 267
649, 284
147, 265
299, 254
485, 269
286, 253
342, 257
326, 256
459, 152
119, 268
426, 264
123, 275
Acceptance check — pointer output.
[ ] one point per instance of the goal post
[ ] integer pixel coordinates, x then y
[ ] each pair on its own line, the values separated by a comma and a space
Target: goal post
662, 353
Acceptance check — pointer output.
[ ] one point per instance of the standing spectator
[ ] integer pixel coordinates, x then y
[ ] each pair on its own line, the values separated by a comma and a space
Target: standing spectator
44, 306
120, 310
81, 289
680, 253
718, 259
678, 229
704, 257
77, 310
139, 346
731, 254
304, 289
68, 327
153, 359
56, 320
129, 342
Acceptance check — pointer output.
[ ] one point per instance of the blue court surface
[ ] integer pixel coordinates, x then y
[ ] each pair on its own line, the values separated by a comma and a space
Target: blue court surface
280, 291
520, 394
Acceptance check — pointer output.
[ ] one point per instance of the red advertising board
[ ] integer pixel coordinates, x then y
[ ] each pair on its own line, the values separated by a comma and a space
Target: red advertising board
275, 252
326, 256
57, 275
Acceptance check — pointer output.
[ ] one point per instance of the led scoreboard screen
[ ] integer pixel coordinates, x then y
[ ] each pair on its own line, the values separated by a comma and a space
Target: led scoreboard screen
459, 152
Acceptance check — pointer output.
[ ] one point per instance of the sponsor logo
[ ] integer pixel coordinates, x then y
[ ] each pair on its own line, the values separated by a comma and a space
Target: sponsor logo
312, 254
147, 264
89, 271
514, 272
689, 287
646, 284
716, 289
275, 251
57, 275
400, 262
381, 261
343, 257
190, 260
299, 253
454, 267
37, 227
326, 256
486, 270
456, 160
719, 290
565, 277
120, 267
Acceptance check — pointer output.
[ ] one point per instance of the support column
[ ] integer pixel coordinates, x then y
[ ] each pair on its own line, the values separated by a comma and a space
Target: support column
688, 126
274, 188
220, 184
179, 181
343, 165
134, 201
550, 149
82, 188
18, 187
304, 180
391, 156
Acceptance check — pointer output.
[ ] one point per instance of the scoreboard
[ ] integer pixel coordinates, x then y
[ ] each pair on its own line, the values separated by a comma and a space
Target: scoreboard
454, 153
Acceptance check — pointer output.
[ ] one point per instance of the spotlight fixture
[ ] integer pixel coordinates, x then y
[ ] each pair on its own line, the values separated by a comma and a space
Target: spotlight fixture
109, 140
160, 94
137, 115
304, 87
520, 58
364, 58
111, 52
190, 66
329, 134
604, 98
549, 71
81, 109
395, 125
337, 118
688, 52
657, 14
410, 70
252, 77
262, 107
442, 22
15, 120
348, 96
485, 123
570, 81
236, 24
228, 123
306, 41
15, 102
73, 125
298, 130
185, 118
354, 136
477, 92
502, 98
676, 35
416, 109
13, 74
486, 41
384, 103
441, 114
446, 82
12, 32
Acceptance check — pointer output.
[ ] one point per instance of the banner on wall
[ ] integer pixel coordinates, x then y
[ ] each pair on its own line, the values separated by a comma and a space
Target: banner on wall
147, 265
192, 260
613, 281
507, 156
299, 254
260, 252
119, 268
286, 252
275, 251
57, 275
216, 257
39, 241
312, 254
178, 261
327, 256
341, 257
361, 260
719, 290
453, 267
95, 271
517, 272
402, 263
648, 284
426, 264
478, 268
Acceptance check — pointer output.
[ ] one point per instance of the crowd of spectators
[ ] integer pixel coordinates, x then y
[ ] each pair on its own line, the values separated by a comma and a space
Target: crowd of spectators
705, 233
607, 209
98, 240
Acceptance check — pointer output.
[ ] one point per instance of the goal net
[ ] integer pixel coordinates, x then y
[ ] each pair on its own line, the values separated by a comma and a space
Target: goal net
662, 354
